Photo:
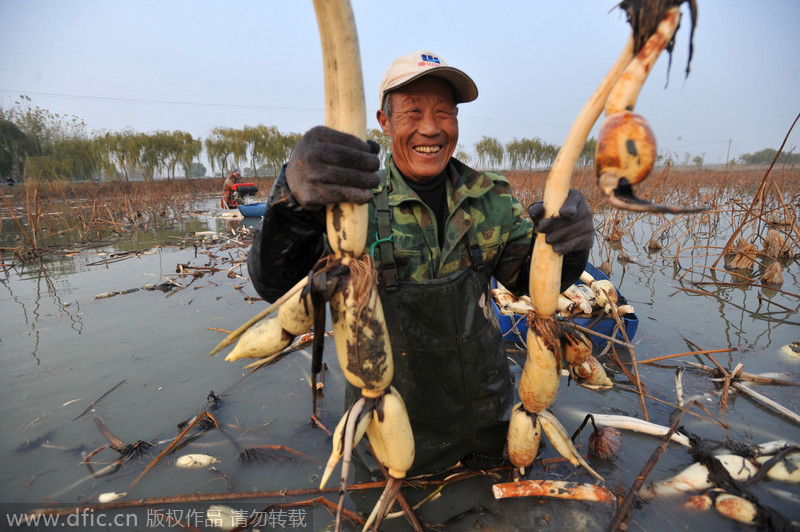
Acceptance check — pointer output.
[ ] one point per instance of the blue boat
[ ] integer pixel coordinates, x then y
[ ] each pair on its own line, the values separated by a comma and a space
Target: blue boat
253, 209
515, 327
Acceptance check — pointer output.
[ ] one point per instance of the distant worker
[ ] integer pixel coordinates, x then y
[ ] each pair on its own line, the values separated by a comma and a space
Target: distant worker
227, 190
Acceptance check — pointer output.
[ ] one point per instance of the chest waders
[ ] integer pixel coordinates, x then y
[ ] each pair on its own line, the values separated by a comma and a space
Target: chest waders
449, 361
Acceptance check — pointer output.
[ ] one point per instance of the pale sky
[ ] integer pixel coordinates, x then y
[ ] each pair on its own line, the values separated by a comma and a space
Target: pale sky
195, 65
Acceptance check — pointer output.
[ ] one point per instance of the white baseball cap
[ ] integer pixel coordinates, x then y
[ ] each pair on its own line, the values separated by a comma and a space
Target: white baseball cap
408, 68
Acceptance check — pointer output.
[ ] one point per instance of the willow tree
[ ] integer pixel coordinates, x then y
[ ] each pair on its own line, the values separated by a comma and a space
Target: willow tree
216, 152
189, 149
548, 154
149, 155
225, 147
516, 153
76, 158
256, 143
586, 157
119, 151
490, 151
174, 148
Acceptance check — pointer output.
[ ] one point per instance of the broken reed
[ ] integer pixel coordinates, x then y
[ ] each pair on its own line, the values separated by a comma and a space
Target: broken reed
44, 210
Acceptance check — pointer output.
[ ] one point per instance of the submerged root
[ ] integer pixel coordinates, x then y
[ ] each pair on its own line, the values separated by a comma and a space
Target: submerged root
361, 408
384, 504
339, 435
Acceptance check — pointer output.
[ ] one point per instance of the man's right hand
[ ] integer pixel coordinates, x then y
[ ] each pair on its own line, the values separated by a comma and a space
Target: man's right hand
328, 166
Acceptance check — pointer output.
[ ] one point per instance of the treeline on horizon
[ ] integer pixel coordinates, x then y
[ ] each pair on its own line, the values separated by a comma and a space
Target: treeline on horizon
35, 140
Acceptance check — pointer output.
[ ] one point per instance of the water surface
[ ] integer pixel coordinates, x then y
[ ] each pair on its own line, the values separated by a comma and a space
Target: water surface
61, 349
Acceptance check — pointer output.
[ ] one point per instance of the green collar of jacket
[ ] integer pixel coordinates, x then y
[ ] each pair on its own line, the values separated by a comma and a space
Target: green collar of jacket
462, 182
417, 241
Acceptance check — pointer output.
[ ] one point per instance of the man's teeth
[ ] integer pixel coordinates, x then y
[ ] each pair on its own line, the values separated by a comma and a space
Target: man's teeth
427, 149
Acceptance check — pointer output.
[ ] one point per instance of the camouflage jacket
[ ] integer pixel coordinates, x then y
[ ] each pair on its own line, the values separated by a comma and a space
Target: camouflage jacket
483, 201
290, 240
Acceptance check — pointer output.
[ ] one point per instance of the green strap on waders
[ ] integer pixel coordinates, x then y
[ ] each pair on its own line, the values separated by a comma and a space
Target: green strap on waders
384, 240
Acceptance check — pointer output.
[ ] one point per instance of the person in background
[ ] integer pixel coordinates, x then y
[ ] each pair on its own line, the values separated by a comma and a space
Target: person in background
440, 231
227, 190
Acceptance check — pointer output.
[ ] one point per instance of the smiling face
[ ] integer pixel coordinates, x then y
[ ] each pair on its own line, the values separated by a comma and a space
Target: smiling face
423, 127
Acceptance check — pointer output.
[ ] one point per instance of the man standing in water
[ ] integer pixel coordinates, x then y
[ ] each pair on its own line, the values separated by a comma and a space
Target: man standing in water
439, 231
227, 190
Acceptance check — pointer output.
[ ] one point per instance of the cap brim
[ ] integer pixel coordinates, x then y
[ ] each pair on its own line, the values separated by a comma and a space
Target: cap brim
464, 89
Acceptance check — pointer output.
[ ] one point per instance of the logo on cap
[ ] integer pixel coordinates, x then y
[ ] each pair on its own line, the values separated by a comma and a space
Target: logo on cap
429, 60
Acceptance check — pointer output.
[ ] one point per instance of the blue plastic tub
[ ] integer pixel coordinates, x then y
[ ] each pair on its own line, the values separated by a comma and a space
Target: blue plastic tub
515, 327
253, 209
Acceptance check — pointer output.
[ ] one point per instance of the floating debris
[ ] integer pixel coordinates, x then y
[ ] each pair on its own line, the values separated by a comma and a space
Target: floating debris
624, 258
787, 469
776, 247
195, 461
164, 287
731, 506
696, 477
791, 351
212, 403
553, 489
638, 425
773, 274
604, 443
745, 257
94, 403
32, 445
253, 455
110, 496
224, 517
106, 295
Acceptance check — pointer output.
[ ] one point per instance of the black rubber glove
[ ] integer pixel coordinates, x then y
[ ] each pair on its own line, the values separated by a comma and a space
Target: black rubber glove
328, 166
571, 230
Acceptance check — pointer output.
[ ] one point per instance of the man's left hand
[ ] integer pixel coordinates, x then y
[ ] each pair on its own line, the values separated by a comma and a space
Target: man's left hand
571, 230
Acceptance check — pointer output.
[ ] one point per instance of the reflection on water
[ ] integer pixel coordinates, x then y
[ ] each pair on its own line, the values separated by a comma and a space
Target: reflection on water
62, 349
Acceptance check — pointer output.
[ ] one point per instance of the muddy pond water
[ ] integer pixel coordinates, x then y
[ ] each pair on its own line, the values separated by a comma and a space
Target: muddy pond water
62, 349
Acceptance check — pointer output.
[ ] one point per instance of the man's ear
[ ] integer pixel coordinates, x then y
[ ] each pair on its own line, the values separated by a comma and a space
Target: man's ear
383, 120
